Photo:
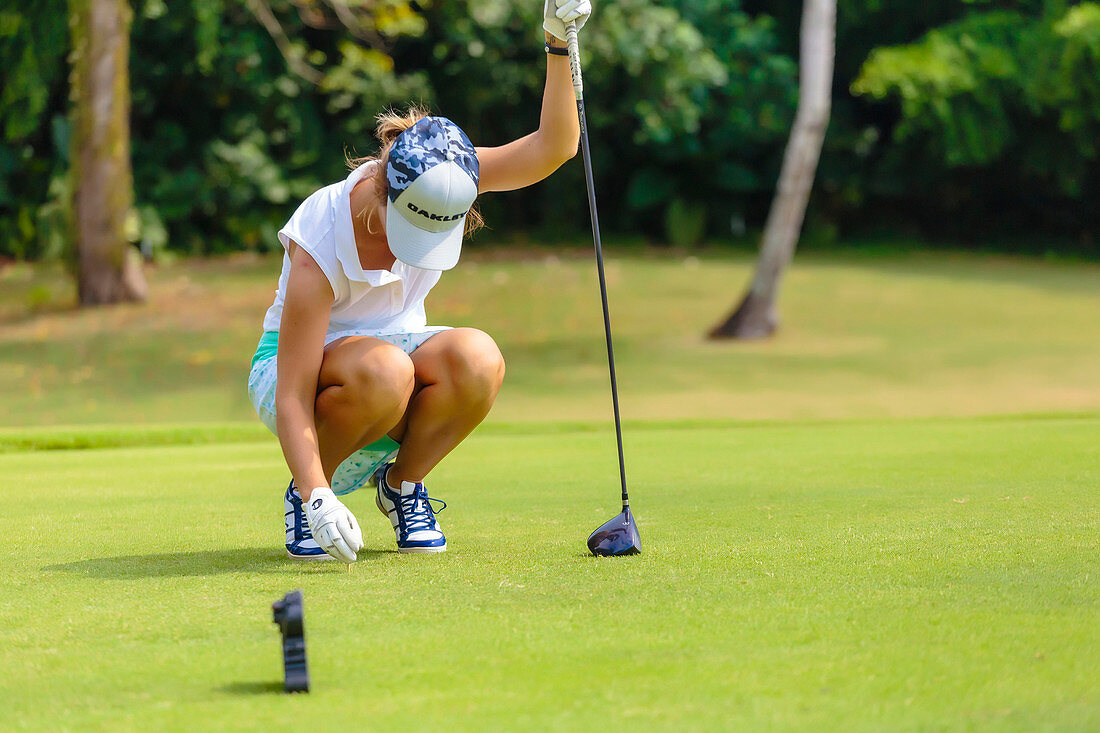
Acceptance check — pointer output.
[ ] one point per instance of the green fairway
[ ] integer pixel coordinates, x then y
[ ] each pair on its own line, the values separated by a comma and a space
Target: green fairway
885, 518
884, 336
875, 575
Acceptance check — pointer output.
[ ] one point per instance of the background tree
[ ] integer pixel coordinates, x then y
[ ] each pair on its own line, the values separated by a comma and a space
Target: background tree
756, 316
998, 119
971, 123
108, 267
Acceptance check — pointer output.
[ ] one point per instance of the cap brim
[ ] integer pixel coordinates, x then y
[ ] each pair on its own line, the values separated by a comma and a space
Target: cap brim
418, 248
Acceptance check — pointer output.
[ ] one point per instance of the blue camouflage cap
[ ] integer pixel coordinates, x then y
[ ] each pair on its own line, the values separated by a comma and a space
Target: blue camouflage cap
432, 174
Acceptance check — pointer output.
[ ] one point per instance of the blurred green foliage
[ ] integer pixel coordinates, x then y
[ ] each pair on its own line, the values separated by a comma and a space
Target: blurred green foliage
1007, 100
949, 118
691, 101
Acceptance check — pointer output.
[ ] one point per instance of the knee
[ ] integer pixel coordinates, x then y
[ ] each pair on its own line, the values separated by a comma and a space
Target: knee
381, 378
475, 366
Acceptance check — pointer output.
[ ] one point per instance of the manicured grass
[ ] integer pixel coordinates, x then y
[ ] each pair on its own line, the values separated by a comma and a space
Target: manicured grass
862, 575
905, 335
851, 526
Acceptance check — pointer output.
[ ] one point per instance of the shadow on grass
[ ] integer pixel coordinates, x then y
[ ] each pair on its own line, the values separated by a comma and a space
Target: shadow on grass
252, 688
203, 562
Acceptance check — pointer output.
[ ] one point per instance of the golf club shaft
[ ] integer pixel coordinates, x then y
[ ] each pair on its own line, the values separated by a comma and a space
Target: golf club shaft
575, 68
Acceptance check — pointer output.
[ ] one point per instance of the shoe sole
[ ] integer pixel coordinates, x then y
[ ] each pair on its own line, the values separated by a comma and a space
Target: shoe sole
309, 558
420, 550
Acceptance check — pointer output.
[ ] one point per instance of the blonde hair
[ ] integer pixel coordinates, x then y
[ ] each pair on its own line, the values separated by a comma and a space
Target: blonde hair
389, 124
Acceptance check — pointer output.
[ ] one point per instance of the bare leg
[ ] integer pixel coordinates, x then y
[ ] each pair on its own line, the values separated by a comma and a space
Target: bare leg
363, 389
458, 375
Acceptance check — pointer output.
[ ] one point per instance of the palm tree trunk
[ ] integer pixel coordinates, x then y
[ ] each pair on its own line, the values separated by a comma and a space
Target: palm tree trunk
108, 267
756, 315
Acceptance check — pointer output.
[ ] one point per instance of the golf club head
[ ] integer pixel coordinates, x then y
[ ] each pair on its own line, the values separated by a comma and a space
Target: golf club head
617, 537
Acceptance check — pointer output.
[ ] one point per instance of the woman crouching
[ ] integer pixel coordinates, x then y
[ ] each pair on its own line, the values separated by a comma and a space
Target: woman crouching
358, 388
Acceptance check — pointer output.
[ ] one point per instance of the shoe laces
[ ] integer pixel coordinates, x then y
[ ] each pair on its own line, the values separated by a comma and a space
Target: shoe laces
417, 509
305, 532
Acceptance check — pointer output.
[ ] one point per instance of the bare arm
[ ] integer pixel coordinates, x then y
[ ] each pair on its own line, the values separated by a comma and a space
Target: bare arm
301, 347
533, 157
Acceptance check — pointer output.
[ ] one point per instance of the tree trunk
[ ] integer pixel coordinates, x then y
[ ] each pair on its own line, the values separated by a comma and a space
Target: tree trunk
756, 315
108, 267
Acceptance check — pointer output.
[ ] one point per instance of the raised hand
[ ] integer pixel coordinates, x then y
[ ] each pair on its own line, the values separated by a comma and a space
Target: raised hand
556, 13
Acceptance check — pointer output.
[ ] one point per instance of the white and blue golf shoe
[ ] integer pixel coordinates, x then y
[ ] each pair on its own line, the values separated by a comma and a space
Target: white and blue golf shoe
410, 511
300, 544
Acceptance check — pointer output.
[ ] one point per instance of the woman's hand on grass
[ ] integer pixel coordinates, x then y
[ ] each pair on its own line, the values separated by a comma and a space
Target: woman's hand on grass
333, 525
556, 13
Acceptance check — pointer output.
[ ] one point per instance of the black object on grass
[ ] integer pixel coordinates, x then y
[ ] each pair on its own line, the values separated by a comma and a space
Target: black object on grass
290, 617
620, 535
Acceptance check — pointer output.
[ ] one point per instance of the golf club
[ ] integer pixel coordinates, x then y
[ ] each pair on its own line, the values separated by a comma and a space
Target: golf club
619, 536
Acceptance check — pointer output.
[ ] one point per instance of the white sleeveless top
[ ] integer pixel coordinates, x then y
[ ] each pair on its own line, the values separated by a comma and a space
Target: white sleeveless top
383, 301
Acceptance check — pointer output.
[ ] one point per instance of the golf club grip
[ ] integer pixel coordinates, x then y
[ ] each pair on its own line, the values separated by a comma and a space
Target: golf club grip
574, 59
575, 68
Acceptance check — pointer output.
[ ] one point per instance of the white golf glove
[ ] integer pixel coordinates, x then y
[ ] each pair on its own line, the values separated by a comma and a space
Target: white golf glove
556, 13
333, 526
